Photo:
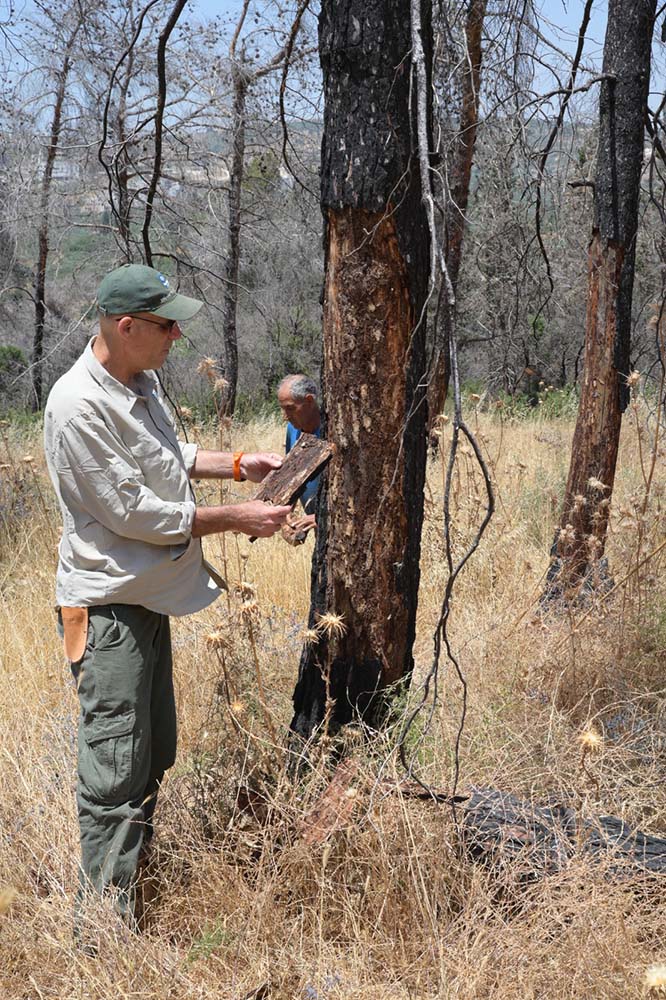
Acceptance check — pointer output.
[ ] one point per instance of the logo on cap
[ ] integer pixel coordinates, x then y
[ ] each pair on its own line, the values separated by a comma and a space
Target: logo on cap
163, 279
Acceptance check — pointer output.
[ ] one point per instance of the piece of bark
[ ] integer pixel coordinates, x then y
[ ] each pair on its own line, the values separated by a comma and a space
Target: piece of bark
285, 485
294, 536
334, 808
498, 826
307, 458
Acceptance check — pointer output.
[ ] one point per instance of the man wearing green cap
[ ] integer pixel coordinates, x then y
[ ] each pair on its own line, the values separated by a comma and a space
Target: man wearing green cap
130, 556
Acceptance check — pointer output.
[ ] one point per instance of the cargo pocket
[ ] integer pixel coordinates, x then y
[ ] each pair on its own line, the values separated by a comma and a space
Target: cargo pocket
105, 766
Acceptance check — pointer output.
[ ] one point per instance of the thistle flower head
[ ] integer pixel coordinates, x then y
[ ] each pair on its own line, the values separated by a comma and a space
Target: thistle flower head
331, 625
567, 534
207, 367
311, 637
216, 639
249, 610
655, 977
591, 739
596, 485
633, 378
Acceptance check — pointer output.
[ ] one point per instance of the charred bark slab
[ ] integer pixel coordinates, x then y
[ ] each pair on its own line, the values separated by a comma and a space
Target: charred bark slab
307, 458
377, 260
501, 828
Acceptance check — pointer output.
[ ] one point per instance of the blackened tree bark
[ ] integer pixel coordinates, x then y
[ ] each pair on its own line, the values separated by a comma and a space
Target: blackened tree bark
604, 391
459, 184
377, 264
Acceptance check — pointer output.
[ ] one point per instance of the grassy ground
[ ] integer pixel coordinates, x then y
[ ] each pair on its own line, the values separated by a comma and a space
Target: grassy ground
386, 908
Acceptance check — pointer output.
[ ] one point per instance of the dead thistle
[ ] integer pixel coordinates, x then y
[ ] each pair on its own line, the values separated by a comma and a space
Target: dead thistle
331, 625
655, 978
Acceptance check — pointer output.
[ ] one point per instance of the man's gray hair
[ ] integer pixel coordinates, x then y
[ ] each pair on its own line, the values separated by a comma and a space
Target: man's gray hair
299, 387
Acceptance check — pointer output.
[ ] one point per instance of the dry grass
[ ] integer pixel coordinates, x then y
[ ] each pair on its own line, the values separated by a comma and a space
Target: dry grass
387, 908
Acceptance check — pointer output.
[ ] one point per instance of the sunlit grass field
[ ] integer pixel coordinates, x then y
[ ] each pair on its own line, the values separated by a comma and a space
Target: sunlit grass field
387, 906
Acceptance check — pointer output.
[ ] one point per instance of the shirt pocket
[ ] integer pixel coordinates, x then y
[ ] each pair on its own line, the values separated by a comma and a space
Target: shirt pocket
106, 758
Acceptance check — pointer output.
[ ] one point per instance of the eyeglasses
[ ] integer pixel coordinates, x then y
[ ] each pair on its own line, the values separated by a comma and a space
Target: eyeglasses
167, 327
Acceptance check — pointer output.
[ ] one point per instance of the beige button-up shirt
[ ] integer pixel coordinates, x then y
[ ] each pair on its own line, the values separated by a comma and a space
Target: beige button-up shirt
122, 480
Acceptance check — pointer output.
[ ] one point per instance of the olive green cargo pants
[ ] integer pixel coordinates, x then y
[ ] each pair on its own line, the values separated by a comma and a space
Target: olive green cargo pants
126, 741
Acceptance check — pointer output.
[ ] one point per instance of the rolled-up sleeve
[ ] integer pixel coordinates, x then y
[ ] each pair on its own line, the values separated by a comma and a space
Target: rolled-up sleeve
100, 480
189, 452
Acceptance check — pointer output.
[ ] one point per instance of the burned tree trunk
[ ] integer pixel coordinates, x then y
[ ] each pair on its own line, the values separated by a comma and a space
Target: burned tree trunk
377, 265
604, 393
44, 209
230, 306
459, 185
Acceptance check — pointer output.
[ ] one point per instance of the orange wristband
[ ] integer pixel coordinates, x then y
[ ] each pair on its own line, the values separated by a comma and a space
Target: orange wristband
237, 469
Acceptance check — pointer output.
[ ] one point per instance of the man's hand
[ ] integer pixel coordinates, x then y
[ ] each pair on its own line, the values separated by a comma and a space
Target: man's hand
255, 465
261, 519
254, 518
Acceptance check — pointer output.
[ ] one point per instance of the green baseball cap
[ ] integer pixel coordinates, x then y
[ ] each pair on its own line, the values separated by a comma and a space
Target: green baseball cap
138, 288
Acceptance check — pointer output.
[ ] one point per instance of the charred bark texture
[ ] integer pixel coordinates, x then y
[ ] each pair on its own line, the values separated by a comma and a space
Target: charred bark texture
581, 538
369, 524
459, 186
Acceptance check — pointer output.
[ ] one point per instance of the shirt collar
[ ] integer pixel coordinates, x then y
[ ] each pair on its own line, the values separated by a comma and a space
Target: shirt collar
121, 393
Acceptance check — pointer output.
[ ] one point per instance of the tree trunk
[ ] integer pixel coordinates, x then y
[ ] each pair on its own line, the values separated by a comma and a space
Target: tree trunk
230, 304
43, 237
122, 159
604, 393
366, 567
461, 175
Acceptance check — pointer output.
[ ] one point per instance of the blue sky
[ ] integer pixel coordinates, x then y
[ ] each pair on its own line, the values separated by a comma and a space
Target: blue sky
564, 15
